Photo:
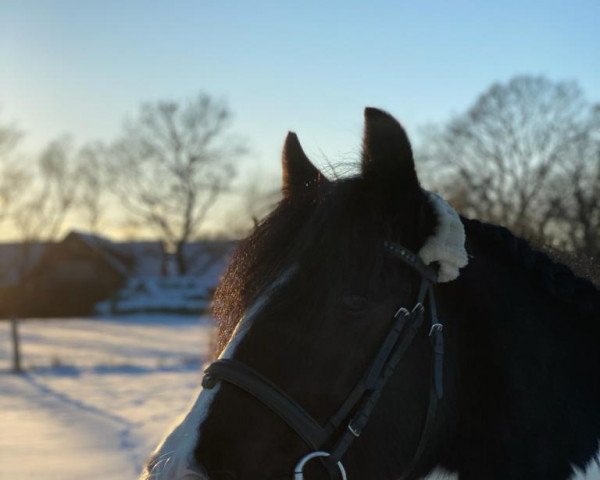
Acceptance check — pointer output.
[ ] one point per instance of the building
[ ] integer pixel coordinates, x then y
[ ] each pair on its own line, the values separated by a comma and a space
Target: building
73, 276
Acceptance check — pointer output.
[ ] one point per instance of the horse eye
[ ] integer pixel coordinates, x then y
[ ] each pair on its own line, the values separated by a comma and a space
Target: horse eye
355, 304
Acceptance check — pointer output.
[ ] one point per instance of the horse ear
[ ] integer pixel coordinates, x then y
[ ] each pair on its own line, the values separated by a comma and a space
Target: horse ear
299, 174
387, 153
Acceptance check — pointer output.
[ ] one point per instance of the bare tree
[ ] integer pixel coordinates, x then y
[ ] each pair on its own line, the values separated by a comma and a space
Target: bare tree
574, 197
48, 194
259, 201
498, 160
11, 179
94, 184
36, 197
254, 199
12, 176
172, 163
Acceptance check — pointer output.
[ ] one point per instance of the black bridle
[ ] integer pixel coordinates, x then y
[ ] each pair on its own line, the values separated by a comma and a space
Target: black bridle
358, 406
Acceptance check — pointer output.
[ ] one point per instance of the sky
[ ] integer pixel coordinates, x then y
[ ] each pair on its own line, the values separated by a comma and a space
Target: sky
81, 67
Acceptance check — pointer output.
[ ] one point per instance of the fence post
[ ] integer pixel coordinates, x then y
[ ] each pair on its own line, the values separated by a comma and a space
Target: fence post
14, 328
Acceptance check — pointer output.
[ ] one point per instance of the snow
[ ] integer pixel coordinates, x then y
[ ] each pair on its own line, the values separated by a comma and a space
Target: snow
182, 294
45, 415
99, 394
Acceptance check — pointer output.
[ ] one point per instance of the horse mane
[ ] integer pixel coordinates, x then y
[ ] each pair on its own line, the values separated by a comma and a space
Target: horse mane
551, 276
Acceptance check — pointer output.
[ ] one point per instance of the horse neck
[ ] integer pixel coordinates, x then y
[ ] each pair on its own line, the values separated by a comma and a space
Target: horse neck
522, 359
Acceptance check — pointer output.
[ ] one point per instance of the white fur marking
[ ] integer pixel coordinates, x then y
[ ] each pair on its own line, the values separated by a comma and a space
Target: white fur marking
174, 456
447, 245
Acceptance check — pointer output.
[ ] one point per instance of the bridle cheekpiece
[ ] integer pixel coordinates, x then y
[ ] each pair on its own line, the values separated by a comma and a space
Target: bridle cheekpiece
355, 411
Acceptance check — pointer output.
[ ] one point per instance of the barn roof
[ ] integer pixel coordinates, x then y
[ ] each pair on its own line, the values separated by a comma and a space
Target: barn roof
131, 259
105, 248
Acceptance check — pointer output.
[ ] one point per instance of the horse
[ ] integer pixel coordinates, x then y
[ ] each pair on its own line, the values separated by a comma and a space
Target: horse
367, 331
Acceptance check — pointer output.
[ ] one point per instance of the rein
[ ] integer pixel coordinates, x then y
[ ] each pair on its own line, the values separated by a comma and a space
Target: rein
356, 410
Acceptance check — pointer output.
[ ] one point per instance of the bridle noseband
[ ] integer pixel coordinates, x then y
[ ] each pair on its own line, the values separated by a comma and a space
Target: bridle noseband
358, 406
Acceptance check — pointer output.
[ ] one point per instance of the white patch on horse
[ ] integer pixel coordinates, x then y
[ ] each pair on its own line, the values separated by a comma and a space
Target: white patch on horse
447, 245
174, 457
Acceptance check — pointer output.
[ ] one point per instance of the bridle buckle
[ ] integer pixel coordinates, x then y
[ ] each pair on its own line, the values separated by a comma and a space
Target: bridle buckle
356, 431
436, 328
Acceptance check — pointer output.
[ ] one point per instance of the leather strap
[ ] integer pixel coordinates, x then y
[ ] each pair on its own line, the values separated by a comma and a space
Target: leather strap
412, 260
363, 398
362, 415
270, 395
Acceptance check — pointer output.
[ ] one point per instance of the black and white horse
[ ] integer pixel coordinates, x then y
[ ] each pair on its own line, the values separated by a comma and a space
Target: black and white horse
310, 308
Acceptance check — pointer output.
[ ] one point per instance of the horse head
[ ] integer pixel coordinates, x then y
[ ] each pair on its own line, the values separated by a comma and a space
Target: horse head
305, 308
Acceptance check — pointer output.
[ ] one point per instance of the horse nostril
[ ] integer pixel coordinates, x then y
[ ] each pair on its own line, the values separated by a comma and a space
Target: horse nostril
223, 475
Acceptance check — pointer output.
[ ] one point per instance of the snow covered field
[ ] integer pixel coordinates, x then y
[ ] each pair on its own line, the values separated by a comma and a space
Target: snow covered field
98, 395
